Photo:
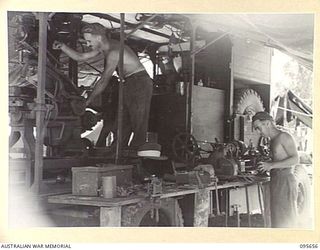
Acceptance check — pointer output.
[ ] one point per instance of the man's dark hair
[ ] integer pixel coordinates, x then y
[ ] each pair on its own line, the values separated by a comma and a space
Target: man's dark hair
262, 116
94, 28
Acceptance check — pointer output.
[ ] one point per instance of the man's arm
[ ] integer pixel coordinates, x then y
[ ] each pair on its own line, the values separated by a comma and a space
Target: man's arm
289, 146
111, 64
75, 55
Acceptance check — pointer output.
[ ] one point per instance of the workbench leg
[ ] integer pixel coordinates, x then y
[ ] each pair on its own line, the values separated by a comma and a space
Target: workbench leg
248, 206
110, 216
227, 206
201, 208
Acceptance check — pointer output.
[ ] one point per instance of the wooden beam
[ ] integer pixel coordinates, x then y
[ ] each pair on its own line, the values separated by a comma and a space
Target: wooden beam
120, 101
40, 108
191, 81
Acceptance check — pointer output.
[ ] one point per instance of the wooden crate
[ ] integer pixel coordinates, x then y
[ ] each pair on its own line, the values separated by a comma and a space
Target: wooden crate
87, 180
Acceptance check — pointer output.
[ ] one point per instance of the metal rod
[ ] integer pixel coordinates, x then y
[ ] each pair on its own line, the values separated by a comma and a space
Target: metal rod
194, 52
40, 111
140, 25
248, 206
217, 198
293, 111
120, 102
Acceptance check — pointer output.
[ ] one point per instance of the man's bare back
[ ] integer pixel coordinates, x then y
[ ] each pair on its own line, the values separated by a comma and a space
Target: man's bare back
131, 63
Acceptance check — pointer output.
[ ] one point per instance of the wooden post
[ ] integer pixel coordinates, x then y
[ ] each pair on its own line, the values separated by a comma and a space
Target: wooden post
40, 108
229, 133
201, 208
191, 81
227, 207
120, 102
110, 216
73, 65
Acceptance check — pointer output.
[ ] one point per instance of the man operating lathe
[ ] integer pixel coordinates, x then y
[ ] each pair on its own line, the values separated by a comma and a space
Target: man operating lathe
283, 185
138, 86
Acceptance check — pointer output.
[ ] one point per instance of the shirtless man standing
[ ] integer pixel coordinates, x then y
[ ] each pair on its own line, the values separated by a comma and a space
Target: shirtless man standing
138, 86
283, 185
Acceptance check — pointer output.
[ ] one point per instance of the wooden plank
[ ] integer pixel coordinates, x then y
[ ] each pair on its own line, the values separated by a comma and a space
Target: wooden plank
110, 216
251, 78
252, 61
177, 192
255, 55
173, 192
94, 201
251, 73
208, 113
251, 48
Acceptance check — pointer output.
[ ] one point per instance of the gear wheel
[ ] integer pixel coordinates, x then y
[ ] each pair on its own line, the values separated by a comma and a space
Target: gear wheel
247, 102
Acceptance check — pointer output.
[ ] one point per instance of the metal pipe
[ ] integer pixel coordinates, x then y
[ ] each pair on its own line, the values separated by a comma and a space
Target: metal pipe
120, 102
40, 110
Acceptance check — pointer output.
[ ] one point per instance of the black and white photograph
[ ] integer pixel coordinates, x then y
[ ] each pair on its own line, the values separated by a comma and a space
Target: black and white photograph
160, 120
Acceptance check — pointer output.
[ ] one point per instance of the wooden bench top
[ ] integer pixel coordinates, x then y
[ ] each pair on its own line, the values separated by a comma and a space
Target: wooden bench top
168, 191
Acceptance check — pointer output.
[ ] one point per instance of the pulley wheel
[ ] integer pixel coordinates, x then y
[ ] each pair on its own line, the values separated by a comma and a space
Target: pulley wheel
185, 147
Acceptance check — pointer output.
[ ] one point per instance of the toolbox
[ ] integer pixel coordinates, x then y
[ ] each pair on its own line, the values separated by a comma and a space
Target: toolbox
87, 180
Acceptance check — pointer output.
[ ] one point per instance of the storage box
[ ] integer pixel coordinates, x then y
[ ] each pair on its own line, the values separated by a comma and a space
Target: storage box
87, 180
